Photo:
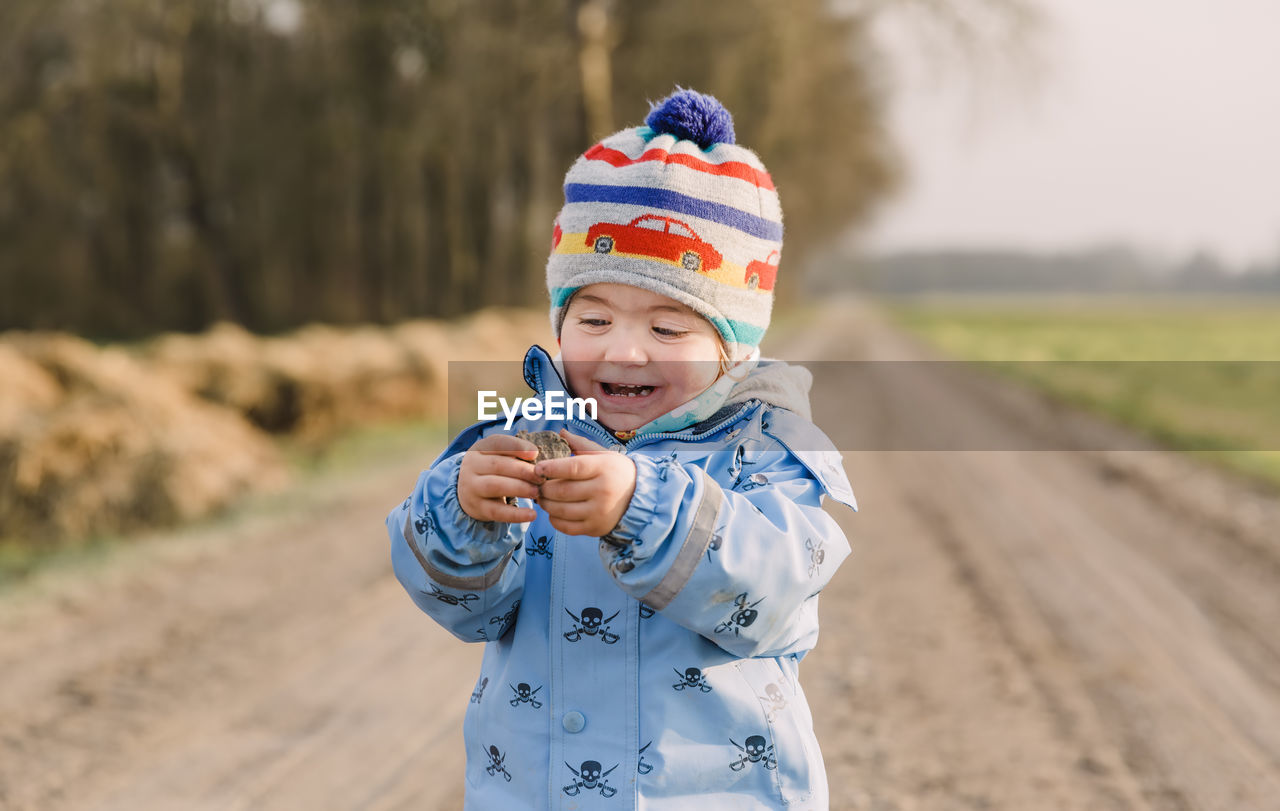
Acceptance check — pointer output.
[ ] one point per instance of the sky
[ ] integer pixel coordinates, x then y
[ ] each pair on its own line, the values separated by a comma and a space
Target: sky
1154, 123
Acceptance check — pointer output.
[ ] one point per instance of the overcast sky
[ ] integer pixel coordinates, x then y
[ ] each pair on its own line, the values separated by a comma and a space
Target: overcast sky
1155, 122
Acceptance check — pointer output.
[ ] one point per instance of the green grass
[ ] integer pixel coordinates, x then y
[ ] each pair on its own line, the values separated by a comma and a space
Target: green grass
1221, 405
1098, 329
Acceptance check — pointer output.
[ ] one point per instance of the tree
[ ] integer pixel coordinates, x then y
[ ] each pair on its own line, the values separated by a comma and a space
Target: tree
274, 162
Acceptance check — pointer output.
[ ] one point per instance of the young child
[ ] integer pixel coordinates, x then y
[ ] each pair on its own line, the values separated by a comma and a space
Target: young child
647, 600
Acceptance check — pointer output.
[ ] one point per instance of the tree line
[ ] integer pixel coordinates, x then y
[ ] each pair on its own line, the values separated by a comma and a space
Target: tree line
1107, 269
166, 165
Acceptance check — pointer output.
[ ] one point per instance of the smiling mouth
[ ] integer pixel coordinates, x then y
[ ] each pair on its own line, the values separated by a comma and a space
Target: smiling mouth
620, 390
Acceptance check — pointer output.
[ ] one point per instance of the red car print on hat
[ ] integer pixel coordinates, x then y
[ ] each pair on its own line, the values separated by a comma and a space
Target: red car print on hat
761, 275
656, 236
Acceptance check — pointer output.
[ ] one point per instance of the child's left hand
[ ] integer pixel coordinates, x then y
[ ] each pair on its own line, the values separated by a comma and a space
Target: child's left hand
586, 494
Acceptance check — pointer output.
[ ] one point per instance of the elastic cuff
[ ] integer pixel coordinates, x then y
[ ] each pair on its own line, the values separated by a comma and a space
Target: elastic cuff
462, 520
643, 507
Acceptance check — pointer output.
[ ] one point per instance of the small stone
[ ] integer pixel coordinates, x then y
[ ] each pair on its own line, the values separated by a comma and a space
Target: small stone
550, 444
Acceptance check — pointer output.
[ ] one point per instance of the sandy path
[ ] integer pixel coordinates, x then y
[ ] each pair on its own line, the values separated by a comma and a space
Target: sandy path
273, 663
1016, 630
1046, 629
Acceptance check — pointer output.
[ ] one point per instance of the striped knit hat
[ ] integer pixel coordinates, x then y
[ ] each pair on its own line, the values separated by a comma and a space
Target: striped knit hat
673, 207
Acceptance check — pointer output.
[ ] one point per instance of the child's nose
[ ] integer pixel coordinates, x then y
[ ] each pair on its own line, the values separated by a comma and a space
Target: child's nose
624, 351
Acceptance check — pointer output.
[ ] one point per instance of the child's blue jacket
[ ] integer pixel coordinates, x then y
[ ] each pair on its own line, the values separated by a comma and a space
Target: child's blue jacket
660, 671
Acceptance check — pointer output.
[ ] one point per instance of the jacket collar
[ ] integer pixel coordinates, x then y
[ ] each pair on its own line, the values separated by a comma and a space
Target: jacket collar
541, 373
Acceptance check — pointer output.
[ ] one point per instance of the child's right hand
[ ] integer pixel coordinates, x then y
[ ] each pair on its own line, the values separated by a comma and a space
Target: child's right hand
494, 468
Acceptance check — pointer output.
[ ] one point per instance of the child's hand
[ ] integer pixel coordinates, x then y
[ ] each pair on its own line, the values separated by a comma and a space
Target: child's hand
494, 468
586, 494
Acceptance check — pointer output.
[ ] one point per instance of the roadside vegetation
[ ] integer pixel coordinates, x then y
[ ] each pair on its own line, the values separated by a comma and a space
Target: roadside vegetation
101, 442
1199, 375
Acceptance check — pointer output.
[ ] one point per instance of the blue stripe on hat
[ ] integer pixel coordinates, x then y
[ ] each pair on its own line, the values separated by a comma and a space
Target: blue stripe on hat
675, 201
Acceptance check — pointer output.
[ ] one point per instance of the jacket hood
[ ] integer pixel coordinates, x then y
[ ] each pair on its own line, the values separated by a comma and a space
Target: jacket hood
777, 383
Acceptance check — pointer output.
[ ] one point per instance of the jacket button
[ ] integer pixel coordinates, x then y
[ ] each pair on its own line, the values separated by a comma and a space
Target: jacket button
574, 721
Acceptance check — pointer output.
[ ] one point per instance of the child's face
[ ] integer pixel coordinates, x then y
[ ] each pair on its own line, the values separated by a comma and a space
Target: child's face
617, 335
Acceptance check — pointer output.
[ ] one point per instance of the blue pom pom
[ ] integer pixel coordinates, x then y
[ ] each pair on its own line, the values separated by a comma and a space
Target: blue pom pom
689, 115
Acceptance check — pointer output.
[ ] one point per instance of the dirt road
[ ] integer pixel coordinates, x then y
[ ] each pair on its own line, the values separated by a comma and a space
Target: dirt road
1015, 630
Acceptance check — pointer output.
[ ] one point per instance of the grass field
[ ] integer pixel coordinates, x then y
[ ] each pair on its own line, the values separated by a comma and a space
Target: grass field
1198, 375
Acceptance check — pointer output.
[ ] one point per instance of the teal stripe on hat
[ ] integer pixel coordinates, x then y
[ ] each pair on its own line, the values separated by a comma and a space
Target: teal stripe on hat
749, 334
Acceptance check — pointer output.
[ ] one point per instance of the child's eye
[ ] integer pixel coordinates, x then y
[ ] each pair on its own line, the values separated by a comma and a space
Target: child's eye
666, 332
593, 322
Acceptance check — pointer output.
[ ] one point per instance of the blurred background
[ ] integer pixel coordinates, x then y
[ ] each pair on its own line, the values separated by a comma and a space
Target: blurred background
277, 163
241, 241
248, 168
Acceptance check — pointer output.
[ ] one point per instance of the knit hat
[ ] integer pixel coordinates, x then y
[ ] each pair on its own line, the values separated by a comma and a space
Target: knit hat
673, 207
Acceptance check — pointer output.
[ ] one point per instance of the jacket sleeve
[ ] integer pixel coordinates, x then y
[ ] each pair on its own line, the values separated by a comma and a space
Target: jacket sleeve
740, 565
462, 572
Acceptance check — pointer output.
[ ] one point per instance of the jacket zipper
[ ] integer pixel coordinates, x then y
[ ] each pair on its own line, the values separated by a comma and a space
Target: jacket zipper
632, 444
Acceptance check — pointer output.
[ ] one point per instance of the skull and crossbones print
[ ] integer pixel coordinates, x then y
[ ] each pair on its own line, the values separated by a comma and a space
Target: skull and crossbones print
540, 545
692, 678
496, 760
588, 776
774, 700
665, 464
717, 541
524, 695
453, 599
742, 617
592, 623
503, 622
622, 560
641, 766
757, 750
479, 691
424, 525
745, 481
816, 555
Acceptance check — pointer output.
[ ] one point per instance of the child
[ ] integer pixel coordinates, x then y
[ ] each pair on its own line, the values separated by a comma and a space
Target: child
646, 601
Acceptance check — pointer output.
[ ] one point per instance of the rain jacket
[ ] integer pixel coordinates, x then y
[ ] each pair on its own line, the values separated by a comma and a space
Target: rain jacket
657, 668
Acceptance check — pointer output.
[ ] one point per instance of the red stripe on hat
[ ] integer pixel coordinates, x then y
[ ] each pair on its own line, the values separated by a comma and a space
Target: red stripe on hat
742, 171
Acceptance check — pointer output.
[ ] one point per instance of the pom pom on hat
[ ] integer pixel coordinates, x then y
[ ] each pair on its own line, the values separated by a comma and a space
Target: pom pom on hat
690, 115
